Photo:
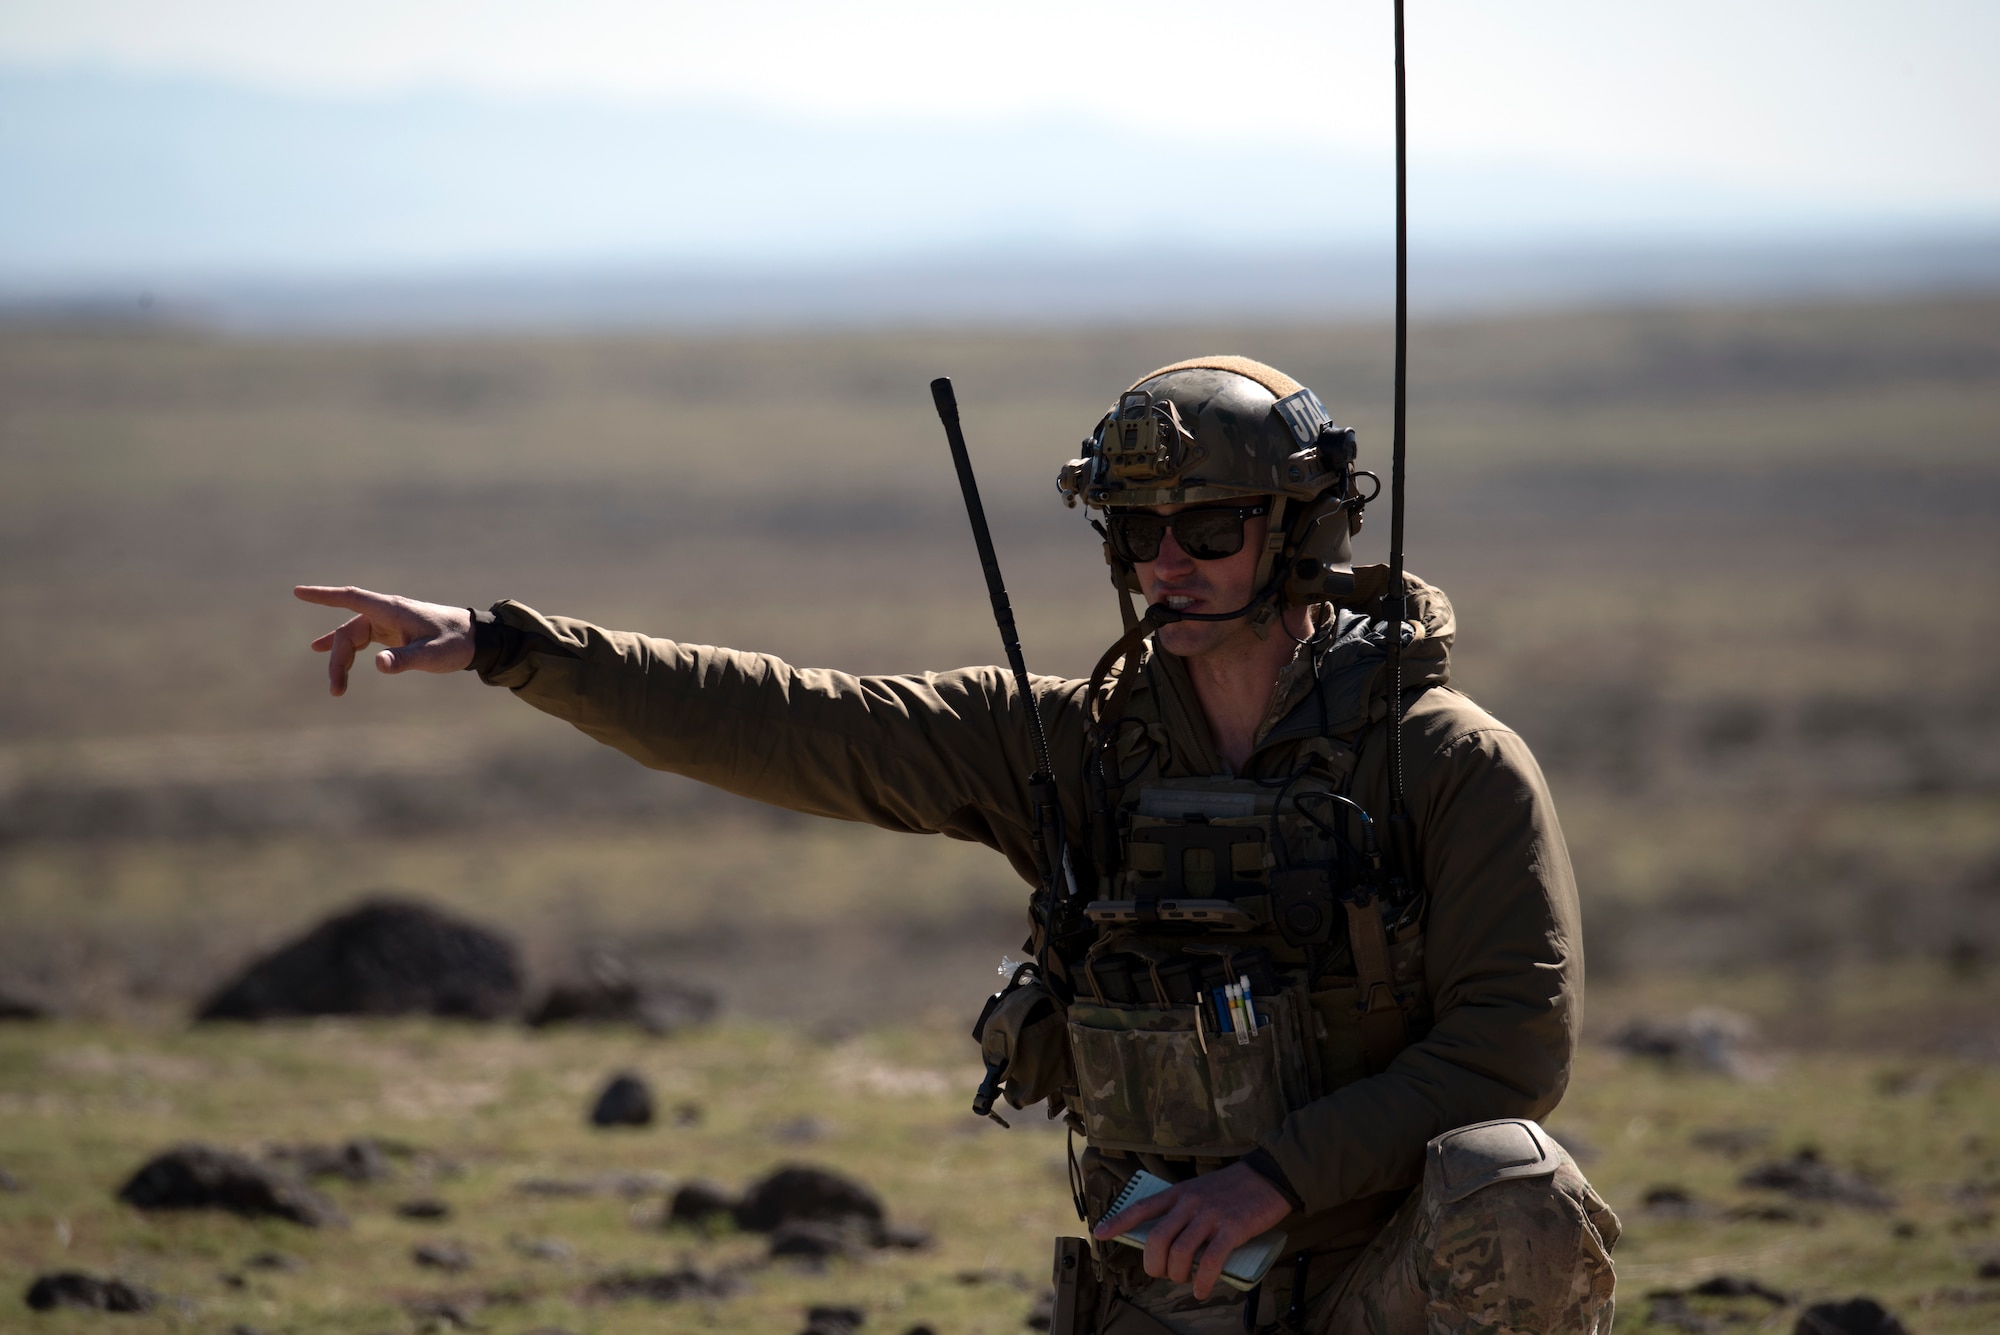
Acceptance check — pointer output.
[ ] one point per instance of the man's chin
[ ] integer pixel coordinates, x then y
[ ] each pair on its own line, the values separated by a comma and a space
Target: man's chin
1187, 638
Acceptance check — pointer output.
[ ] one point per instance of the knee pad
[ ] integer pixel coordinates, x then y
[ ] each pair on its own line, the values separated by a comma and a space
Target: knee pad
1471, 1158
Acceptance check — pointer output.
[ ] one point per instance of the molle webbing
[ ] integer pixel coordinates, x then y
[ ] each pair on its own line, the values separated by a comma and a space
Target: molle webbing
1384, 1030
1270, 377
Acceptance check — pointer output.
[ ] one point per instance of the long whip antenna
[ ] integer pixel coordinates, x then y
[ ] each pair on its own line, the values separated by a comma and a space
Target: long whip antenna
1050, 841
1398, 600
996, 589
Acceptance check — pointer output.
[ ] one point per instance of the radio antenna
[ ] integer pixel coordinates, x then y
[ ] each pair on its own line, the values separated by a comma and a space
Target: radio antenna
1397, 601
1050, 842
996, 589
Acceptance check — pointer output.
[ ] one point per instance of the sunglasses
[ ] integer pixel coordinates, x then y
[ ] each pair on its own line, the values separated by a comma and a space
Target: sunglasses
1208, 534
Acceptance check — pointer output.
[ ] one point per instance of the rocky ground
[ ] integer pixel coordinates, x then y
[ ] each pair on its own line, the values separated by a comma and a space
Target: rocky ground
367, 1175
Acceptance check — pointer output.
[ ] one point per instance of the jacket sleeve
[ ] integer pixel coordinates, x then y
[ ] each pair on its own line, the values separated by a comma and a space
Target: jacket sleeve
936, 753
1503, 963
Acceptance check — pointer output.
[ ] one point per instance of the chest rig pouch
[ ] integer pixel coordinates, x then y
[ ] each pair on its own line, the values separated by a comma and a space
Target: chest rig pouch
1244, 963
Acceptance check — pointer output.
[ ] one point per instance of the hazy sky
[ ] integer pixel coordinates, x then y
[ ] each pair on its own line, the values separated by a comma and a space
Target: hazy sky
1895, 99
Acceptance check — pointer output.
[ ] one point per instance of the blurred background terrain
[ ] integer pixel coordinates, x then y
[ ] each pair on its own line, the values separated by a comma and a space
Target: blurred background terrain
1731, 570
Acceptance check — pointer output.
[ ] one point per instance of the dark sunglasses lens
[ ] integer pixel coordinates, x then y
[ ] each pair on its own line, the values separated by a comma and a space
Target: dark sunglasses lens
1137, 537
1208, 535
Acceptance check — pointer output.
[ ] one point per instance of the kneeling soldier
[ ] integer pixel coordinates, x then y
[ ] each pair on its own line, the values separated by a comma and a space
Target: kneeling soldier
1302, 1025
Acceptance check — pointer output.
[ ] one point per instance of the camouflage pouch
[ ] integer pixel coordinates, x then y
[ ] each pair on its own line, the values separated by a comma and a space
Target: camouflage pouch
1022, 1034
1161, 1078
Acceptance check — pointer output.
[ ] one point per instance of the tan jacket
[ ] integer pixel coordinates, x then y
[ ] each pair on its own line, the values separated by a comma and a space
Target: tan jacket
947, 753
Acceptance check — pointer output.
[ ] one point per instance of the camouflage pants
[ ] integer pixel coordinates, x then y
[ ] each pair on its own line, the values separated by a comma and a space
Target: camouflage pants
1504, 1238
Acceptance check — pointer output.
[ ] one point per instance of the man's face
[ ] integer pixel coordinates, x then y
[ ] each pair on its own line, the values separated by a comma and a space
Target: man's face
1188, 585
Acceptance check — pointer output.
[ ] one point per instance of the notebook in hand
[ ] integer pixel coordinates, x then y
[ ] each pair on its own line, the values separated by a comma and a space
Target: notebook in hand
1246, 1266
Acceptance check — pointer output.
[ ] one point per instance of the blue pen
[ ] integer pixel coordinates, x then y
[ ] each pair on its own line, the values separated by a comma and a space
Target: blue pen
1223, 1021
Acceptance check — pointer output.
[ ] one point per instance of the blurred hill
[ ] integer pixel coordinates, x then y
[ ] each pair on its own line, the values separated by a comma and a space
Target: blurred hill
125, 176
1731, 571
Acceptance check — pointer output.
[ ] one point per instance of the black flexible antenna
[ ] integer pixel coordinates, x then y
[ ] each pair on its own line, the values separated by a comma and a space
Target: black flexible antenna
996, 589
1050, 842
1397, 601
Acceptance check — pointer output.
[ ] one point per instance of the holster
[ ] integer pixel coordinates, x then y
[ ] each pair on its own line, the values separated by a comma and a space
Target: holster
1076, 1291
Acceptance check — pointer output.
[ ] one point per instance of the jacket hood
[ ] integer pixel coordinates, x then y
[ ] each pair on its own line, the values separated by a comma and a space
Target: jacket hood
1351, 666
1350, 659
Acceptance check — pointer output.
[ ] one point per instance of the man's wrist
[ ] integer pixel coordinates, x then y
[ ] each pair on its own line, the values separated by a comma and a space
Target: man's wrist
1265, 1165
494, 642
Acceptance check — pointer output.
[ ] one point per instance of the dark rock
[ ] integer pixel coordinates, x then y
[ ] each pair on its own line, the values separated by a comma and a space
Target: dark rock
74, 1288
904, 1237
359, 1160
423, 1207
666, 1286
1043, 1314
1707, 1039
626, 1101
386, 957
240, 1329
1989, 1269
1765, 1214
699, 1201
200, 1177
806, 1194
833, 1320
14, 1006
801, 1130
1856, 1316
234, 1281
1669, 1308
610, 996
919, 1330
1807, 1177
1732, 1141
817, 1240
1738, 1286
451, 1256
8, 1182
632, 1186
273, 1261
442, 1313
1671, 1202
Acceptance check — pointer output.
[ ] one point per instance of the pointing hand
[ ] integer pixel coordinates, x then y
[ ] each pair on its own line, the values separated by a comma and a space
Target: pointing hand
422, 637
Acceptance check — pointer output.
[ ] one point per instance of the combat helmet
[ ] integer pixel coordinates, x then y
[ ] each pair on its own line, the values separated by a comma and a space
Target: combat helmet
1215, 428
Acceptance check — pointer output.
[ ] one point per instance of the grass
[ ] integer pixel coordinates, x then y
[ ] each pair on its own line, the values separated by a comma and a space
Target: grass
475, 1111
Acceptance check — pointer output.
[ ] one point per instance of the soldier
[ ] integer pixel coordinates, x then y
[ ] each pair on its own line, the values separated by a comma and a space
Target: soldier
1257, 996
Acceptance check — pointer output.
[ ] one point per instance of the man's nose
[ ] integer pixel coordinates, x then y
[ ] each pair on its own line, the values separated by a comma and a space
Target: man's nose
1171, 556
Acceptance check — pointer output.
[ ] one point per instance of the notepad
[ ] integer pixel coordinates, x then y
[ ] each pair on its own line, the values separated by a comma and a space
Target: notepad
1246, 1266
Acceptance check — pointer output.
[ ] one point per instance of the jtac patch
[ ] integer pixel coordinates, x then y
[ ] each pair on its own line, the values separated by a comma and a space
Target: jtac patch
1305, 415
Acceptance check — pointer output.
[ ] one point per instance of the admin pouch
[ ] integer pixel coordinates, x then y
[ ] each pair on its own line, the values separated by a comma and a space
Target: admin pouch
1164, 1079
1224, 880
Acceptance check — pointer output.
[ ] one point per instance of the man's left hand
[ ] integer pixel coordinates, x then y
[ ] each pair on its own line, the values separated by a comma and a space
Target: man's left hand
1202, 1220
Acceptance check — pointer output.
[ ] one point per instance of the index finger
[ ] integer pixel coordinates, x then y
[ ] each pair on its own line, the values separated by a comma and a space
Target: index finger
1137, 1213
344, 596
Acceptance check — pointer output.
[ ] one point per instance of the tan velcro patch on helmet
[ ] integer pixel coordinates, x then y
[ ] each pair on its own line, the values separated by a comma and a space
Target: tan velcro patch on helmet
1270, 377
